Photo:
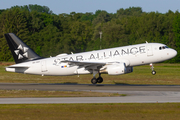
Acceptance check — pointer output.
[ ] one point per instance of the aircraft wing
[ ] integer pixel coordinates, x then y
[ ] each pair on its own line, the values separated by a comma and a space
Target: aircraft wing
86, 64
80, 63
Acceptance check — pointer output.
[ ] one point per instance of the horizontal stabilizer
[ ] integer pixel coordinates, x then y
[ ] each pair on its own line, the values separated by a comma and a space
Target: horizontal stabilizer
18, 66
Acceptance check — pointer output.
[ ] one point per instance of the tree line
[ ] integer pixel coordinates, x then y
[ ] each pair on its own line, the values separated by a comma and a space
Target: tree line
49, 34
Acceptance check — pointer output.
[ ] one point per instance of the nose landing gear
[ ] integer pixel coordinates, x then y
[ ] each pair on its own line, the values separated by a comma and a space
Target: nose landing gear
152, 68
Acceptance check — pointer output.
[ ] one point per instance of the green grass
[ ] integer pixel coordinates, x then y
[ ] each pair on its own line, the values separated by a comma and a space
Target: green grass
167, 74
135, 111
37, 93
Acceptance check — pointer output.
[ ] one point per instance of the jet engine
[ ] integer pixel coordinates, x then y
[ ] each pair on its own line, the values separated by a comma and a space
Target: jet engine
118, 69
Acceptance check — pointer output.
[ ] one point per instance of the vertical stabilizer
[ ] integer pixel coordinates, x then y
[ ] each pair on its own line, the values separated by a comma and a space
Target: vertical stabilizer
20, 51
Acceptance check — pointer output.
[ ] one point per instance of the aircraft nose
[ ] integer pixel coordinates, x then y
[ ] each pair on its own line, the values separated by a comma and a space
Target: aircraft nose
173, 53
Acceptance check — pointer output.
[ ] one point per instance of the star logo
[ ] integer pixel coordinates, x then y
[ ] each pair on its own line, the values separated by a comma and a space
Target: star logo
21, 52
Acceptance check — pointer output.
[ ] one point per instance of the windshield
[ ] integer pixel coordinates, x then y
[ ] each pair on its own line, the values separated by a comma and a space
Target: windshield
163, 47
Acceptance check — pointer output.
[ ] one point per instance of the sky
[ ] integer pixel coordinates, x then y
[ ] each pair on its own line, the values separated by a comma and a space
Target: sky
83, 6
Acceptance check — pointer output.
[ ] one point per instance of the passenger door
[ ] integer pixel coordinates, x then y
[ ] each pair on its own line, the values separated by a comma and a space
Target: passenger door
149, 50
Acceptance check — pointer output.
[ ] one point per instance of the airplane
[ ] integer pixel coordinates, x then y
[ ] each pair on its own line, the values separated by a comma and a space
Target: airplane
113, 61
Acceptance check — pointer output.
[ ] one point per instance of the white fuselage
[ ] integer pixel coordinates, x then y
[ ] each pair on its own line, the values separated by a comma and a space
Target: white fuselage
133, 55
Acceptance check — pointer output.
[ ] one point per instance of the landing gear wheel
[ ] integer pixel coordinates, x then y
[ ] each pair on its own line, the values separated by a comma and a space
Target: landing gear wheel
152, 68
94, 80
153, 72
99, 79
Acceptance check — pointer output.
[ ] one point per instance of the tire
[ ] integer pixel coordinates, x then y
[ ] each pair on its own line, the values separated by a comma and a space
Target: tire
94, 81
99, 79
153, 72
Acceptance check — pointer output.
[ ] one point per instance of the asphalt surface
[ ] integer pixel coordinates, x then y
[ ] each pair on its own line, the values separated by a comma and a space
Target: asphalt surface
127, 99
135, 93
87, 87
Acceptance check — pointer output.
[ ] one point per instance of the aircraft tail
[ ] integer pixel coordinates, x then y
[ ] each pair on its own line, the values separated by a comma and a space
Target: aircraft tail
20, 51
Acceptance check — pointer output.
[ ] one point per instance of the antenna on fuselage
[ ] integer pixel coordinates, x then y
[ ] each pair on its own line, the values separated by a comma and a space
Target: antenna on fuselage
146, 42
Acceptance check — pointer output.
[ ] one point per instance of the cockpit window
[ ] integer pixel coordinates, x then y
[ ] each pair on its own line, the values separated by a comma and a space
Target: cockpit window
163, 47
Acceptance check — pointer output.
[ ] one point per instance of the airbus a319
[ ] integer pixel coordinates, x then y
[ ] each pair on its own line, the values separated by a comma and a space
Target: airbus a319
113, 61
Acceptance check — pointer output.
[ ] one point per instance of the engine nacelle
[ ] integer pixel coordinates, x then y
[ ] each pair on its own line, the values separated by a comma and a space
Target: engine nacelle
118, 69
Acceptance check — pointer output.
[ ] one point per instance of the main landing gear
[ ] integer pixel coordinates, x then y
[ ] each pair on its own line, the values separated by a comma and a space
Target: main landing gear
98, 80
152, 68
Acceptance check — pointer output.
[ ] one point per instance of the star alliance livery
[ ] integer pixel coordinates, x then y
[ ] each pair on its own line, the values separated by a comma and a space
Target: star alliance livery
113, 61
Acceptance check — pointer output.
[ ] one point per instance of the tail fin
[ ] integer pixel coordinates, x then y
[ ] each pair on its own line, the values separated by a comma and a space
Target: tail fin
20, 51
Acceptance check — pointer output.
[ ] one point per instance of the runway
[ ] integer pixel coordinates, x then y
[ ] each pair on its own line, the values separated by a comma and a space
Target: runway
126, 99
87, 87
135, 93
